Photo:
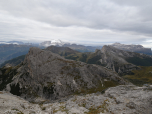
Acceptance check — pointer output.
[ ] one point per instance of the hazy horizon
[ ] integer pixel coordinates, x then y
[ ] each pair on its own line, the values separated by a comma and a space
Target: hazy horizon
94, 45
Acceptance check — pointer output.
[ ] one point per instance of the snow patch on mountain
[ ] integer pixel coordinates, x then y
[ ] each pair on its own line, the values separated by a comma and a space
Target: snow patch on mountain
53, 42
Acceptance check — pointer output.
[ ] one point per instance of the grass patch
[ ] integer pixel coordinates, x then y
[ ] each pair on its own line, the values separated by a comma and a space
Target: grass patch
63, 109
140, 77
99, 88
102, 108
146, 61
18, 112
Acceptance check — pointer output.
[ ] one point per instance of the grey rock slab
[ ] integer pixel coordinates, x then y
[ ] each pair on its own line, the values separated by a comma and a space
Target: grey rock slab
126, 99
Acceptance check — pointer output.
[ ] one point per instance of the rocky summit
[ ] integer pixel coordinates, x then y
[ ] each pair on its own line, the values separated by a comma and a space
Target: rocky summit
47, 76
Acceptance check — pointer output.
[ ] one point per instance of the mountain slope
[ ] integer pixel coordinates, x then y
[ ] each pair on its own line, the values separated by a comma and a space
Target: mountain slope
46, 75
11, 51
141, 76
80, 48
68, 53
63, 51
14, 61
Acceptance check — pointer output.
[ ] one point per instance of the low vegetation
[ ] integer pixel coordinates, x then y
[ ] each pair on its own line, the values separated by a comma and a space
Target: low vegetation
100, 87
142, 76
140, 61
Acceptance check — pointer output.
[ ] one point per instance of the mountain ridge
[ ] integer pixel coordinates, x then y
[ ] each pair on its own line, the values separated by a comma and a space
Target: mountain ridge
77, 47
133, 48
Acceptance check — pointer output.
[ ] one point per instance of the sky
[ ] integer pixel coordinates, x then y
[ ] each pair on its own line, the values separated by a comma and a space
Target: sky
88, 22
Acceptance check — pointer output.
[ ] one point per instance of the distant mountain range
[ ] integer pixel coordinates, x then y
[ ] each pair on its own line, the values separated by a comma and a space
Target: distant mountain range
11, 42
17, 43
80, 48
13, 49
133, 48
53, 43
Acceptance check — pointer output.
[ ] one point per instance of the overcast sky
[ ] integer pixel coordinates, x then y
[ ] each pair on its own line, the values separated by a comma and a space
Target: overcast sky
80, 21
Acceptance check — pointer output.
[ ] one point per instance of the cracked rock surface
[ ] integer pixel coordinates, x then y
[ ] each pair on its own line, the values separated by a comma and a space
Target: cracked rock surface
124, 99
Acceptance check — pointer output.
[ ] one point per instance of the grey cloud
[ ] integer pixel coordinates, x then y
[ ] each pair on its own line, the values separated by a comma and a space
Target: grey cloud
79, 20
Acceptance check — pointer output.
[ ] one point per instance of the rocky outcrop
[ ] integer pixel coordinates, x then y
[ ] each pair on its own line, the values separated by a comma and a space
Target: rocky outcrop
48, 76
11, 104
126, 99
116, 100
114, 59
123, 62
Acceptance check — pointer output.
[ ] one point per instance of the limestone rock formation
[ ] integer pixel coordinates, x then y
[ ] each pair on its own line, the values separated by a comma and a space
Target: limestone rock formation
114, 59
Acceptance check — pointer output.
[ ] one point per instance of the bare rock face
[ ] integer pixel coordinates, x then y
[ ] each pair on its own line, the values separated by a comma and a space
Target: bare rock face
130, 99
115, 59
11, 104
123, 62
48, 76
116, 100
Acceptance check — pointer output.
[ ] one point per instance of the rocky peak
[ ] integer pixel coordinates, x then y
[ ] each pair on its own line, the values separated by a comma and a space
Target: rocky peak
46, 75
114, 59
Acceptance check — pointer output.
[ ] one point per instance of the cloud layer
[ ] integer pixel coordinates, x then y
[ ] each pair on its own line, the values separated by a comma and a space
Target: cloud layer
90, 22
